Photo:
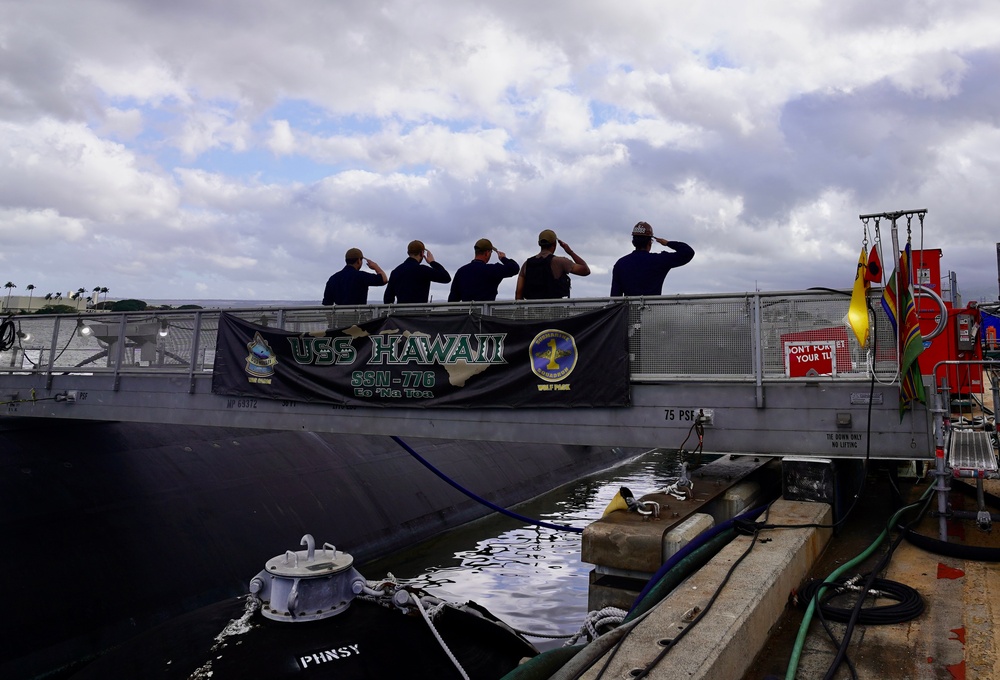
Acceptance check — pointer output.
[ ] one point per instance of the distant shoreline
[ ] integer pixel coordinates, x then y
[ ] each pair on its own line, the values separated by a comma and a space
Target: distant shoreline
213, 303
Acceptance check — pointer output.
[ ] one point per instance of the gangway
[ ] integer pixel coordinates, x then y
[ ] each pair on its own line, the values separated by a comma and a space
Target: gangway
767, 373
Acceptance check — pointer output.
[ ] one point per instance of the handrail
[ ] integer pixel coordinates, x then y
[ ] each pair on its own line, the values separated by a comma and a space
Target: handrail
728, 337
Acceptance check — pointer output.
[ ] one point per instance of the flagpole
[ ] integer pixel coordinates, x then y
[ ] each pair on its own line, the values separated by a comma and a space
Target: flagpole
895, 275
941, 487
895, 250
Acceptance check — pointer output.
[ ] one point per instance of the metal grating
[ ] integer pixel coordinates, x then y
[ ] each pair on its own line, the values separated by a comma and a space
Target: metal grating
971, 450
692, 337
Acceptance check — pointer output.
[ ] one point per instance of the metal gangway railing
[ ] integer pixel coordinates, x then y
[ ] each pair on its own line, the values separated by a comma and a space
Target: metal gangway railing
732, 337
716, 360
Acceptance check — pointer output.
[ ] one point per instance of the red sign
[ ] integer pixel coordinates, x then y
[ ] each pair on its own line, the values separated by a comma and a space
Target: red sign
836, 335
805, 359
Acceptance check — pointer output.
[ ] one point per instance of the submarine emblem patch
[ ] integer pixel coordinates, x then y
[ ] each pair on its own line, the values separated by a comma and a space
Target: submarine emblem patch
260, 360
553, 355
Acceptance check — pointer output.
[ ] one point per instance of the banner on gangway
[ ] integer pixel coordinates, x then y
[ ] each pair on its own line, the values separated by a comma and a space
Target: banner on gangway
432, 360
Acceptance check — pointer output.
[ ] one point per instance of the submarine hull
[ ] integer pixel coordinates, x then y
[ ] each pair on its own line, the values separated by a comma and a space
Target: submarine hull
112, 528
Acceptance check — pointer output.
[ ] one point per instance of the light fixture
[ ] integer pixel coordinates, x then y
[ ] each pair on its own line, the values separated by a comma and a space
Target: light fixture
23, 337
164, 328
83, 329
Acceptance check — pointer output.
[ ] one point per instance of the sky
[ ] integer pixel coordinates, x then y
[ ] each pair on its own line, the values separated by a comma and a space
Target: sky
235, 149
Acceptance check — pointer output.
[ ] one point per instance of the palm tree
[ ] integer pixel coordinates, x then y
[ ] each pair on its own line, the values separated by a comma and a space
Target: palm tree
104, 289
30, 288
59, 296
48, 296
10, 286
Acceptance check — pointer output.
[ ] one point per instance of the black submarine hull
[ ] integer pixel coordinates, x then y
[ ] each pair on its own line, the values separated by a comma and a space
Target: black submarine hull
112, 528
365, 642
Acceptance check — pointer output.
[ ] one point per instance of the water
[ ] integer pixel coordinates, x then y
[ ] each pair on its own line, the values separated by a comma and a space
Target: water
530, 577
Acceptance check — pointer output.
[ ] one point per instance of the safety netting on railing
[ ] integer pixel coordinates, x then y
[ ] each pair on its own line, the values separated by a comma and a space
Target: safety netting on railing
742, 337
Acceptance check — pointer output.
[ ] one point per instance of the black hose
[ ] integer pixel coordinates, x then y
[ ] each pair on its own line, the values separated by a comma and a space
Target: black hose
962, 551
856, 609
976, 553
7, 335
908, 603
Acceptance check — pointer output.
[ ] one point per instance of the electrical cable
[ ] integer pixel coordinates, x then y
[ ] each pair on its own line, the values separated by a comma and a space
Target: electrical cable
54, 359
479, 499
704, 538
696, 425
979, 402
32, 400
684, 631
833, 636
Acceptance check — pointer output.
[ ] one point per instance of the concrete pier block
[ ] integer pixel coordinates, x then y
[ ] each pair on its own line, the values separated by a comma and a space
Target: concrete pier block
685, 532
725, 642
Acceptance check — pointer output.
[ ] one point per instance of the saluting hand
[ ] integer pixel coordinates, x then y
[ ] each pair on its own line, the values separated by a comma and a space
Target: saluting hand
661, 241
501, 254
429, 256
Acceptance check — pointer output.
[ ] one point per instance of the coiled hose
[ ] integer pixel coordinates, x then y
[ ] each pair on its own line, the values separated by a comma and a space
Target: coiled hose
908, 602
7, 335
800, 640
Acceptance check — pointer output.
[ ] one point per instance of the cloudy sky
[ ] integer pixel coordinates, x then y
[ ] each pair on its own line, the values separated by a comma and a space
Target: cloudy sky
235, 149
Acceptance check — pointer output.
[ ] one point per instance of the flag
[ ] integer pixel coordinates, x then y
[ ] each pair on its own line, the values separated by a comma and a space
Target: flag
902, 312
874, 272
857, 313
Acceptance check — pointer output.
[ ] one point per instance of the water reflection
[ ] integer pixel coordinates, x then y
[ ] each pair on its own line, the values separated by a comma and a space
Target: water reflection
529, 576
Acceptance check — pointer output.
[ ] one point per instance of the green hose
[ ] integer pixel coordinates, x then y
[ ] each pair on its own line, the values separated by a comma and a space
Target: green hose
543, 665
800, 639
684, 568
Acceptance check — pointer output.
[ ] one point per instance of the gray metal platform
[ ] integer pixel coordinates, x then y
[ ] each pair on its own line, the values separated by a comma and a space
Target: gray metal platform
972, 450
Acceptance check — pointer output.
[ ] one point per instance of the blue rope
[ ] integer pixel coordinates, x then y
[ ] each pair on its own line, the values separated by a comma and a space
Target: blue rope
420, 459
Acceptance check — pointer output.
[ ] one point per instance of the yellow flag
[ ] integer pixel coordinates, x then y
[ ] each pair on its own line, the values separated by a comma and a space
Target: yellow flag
857, 314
